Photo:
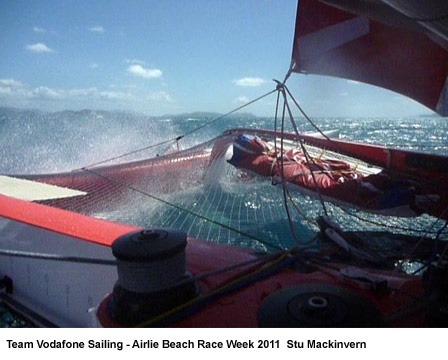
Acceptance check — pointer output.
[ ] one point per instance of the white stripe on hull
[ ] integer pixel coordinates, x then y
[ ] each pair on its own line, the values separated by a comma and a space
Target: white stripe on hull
34, 191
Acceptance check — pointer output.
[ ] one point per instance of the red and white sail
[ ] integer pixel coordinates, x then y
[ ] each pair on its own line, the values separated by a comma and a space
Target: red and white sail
397, 45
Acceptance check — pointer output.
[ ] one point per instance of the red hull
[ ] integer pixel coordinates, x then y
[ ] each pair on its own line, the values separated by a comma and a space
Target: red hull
239, 308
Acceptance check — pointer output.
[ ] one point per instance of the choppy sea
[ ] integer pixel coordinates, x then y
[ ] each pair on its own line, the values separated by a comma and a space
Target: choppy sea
40, 142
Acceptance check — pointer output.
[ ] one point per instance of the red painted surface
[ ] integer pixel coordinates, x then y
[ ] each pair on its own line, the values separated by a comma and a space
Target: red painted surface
240, 308
108, 186
235, 309
63, 222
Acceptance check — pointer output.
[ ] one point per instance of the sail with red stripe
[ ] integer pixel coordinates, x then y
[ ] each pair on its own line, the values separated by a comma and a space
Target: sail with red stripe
382, 43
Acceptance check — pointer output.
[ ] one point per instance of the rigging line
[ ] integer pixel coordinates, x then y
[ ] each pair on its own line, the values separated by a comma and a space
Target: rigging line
380, 223
403, 13
434, 252
177, 138
282, 175
54, 257
129, 153
322, 265
305, 115
442, 255
316, 127
307, 156
274, 162
243, 280
307, 219
275, 123
419, 181
428, 230
261, 259
436, 242
437, 18
184, 209
362, 253
229, 113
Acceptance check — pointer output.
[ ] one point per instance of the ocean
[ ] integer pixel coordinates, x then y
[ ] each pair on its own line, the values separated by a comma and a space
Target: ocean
40, 142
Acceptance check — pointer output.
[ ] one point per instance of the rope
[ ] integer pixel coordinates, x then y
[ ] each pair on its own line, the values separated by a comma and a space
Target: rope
442, 255
403, 13
373, 222
393, 171
53, 257
130, 153
436, 243
275, 124
305, 115
281, 160
264, 258
321, 265
307, 156
177, 138
241, 281
229, 113
307, 219
427, 231
286, 194
282, 175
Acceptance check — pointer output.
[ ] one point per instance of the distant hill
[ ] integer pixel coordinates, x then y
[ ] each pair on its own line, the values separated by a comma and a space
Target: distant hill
86, 113
206, 114
433, 115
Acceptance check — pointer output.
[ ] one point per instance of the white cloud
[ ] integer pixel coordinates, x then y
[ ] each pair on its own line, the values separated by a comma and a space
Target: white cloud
98, 29
39, 48
249, 81
43, 92
160, 96
134, 61
125, 86
241, 100
5, 90
138, 70
39, 30
93, 66
19, 91
354, 82
15, 93
10, 83
11, 87
95, 94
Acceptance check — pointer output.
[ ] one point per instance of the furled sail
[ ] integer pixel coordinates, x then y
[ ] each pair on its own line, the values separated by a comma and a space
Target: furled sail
398, 45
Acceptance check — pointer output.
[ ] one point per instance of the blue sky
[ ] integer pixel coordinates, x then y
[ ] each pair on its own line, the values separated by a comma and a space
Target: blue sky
166, 57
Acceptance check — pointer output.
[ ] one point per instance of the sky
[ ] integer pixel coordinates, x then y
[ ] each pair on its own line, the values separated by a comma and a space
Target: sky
167, 57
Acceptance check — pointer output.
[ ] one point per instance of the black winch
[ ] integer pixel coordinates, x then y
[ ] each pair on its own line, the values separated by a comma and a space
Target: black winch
152, 276
318, 306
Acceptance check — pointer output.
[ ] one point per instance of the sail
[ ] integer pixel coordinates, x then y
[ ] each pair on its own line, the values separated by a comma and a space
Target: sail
376, 42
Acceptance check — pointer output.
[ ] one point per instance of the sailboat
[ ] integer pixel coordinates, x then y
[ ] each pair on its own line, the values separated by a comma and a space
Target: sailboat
62, 267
